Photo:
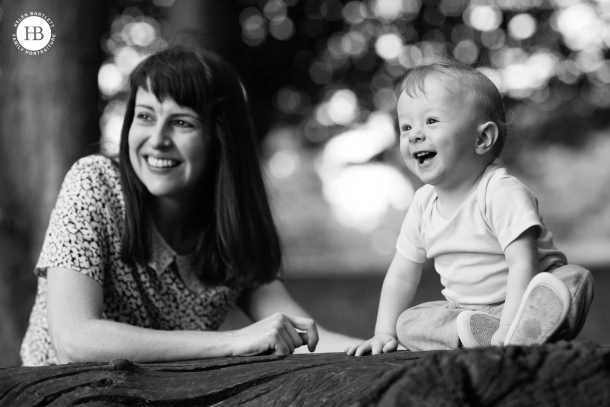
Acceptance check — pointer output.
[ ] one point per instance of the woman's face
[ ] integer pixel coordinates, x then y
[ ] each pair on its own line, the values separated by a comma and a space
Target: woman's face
167, 147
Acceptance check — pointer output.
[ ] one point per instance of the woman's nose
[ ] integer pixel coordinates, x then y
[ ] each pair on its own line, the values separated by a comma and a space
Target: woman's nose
160, 137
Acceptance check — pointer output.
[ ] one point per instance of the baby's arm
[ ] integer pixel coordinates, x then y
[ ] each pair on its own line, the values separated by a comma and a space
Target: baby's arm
398, 290
522, 258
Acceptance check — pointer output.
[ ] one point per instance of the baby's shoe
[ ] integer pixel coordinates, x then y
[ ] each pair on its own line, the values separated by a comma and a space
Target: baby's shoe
476, 328
542, 310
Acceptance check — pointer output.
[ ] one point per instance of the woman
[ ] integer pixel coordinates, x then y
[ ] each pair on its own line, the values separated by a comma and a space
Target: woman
144, 257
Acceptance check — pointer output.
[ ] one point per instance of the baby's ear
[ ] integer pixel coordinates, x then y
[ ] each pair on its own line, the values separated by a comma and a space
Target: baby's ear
487, 136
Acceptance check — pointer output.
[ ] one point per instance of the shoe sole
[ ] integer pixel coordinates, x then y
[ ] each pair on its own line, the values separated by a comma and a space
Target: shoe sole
542, 310
475, 328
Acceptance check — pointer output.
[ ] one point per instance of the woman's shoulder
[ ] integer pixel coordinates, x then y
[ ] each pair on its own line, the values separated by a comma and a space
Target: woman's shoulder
97, 169
96, 163
91, 179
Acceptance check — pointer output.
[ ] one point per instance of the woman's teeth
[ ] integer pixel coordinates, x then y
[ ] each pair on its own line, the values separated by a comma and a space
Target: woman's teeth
161, 163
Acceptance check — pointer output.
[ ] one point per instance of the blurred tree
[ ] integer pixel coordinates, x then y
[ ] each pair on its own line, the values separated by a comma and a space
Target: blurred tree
49, 115
551, 53
319, 70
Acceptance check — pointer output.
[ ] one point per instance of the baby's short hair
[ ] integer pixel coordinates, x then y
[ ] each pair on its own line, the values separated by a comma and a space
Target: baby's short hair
467, 79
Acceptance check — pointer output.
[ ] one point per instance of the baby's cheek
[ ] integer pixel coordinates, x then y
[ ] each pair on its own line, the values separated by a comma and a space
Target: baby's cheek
404, 151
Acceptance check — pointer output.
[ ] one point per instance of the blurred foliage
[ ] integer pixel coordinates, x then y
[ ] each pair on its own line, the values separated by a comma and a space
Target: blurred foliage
301, 53
548, 58
549, 52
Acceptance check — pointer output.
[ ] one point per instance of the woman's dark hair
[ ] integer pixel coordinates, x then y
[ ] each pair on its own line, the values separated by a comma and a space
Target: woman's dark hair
239, 243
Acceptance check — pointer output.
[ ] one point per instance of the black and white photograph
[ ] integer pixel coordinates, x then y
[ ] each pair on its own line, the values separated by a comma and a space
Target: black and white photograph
305, 202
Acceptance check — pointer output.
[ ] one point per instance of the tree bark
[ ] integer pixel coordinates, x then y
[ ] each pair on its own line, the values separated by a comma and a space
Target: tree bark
554, 375
49, 117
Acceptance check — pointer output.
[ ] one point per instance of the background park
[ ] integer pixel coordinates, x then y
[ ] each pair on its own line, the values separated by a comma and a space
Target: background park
319, 75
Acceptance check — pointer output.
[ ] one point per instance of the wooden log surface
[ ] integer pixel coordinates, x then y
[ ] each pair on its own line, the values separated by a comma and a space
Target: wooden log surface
563, 374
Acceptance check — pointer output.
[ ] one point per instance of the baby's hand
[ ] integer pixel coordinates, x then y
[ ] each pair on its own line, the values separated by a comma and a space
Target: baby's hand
380, 343
498, 337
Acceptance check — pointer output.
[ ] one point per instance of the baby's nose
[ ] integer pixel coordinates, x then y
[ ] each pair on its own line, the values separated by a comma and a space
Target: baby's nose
416, 136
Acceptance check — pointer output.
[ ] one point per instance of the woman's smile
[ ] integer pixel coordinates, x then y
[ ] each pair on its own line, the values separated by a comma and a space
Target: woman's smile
167, 146
161, 163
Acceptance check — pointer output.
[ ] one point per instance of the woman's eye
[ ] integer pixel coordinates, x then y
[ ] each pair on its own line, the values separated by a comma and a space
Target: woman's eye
182, 123
143, 116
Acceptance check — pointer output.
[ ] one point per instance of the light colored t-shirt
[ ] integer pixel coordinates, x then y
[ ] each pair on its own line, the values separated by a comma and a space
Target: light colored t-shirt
468, 249
84, 235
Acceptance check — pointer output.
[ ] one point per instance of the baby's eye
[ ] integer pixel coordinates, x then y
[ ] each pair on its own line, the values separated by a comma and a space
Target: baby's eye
405, 127
431, 120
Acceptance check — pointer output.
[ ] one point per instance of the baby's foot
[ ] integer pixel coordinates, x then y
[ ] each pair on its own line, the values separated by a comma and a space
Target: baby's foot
543, 309
476, 328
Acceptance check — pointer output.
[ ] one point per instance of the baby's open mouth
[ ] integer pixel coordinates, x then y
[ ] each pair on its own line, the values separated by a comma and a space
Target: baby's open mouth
424, 156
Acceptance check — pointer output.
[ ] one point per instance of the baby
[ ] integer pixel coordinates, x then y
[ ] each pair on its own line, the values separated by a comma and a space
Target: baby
505, 282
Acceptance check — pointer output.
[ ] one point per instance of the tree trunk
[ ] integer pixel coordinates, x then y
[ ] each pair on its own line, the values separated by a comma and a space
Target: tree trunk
49, 117
552, 375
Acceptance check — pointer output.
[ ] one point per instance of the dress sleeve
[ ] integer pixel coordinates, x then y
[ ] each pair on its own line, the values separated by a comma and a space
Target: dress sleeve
410, 242
76, 237
511, 209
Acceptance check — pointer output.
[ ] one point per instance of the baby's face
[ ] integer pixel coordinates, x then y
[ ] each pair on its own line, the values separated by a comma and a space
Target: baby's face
438, 131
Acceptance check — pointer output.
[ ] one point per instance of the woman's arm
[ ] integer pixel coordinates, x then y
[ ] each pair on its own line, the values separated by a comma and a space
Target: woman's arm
78, 334
399, 287
522, 259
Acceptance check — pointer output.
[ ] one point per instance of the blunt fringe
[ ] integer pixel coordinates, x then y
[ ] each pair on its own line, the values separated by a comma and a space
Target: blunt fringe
239, 243
468, 80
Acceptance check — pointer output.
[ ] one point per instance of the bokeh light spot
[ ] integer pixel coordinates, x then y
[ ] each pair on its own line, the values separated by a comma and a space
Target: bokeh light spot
493, 39
275, 10
343, 107
354, 44
483, 17
321, 72
466, 51
580, 26
283, 163
387, 9
354, 12
388, 46
288, 100
111, 124
282, 29
451, 8
361, 194
522, 26
110, 79
385, 100
410, 56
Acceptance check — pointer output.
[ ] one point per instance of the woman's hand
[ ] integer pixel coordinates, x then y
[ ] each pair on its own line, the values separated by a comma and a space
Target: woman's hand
278, 334
380, 343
